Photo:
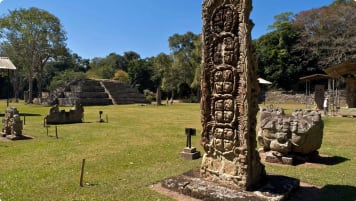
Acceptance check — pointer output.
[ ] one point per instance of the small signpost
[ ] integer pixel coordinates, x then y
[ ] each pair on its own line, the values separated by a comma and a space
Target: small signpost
100, 120
190, 152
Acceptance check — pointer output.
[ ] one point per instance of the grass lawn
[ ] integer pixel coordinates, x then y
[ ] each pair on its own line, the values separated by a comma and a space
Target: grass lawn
139, 146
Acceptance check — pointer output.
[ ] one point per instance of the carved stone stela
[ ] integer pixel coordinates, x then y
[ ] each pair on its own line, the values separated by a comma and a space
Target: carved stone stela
229, 96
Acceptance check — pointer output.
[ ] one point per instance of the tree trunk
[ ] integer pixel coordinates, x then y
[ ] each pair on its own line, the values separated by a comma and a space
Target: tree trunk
15, 89
158, 96
39, 86
30, 89
172, 97
198, 94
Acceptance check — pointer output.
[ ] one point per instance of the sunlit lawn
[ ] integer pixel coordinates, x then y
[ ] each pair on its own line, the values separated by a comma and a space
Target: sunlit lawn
139, 146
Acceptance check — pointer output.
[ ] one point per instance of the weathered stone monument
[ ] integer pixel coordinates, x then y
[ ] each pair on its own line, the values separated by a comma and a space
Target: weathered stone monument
74, 115
231, 167
12, 124
229, 96
289, 139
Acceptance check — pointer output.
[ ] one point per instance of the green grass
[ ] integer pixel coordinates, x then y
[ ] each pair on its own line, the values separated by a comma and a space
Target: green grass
138, 147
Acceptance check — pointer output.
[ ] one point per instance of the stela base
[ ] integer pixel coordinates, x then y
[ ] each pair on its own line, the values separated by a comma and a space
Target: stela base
190, 153
276, 188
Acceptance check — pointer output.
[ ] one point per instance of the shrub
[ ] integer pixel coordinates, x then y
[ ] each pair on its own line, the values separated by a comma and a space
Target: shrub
121, 76
65, 76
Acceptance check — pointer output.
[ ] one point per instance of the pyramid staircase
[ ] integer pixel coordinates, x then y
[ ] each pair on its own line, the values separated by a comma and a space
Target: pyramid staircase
99, 92
121, 93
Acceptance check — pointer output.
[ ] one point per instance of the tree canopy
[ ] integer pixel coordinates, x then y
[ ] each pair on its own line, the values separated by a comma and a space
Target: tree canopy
307, 43
31, 37
328, 34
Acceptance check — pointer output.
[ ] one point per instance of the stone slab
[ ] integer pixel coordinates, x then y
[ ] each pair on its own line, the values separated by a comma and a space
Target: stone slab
276, 188
190, 150
190, 154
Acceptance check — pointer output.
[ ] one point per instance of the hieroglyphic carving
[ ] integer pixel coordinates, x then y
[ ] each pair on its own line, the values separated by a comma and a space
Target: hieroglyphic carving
228, 108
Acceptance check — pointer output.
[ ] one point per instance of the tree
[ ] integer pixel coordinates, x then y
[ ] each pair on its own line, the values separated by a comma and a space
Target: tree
196, 57
105, 67
161, 65
328, 34
276, 60
64, 76
131, 56
185, 61
140, 72
62, 63
35, 37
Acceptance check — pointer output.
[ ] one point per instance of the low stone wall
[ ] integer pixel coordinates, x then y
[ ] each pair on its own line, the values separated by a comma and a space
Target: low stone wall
297, 97
287, 97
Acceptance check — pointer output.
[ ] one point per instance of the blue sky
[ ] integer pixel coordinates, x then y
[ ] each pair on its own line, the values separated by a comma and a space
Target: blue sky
96, 28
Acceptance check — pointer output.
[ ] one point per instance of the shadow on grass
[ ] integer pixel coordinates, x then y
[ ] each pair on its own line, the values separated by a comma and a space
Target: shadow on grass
338, 192
30, 115
306, 193
326, 193
328, 160
68, 123
24, 114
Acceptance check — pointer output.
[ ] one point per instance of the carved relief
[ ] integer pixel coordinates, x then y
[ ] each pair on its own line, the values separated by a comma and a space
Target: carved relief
223, 20
225, 49
299, 133
228, 124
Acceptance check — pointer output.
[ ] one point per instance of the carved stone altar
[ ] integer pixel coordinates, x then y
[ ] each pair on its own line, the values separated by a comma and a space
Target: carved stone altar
229, 96
286, 138
12, 124
74, 115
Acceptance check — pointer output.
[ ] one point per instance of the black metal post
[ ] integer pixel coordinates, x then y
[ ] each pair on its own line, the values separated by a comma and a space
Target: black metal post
189, 141
189, 132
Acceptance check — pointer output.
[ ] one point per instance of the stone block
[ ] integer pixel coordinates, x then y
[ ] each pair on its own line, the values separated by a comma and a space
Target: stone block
190, 153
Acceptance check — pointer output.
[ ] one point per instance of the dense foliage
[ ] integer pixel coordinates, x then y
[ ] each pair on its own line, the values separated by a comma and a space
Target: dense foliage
307, 43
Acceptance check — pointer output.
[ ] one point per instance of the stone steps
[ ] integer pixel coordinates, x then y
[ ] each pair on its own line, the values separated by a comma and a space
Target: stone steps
99, 92
122, 93
86, 94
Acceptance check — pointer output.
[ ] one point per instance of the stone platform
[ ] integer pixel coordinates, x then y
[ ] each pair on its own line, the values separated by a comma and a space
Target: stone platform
276, 188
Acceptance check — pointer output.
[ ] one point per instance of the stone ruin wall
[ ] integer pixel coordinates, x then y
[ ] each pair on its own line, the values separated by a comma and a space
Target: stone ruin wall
229, 91
297, 97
